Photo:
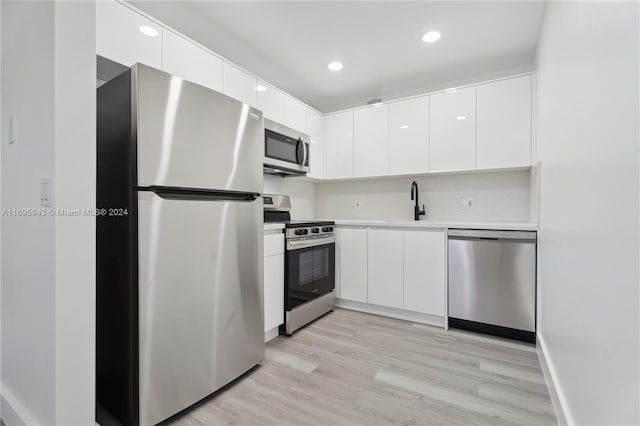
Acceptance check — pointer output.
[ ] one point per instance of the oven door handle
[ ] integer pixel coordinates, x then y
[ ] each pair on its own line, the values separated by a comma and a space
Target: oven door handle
296, 244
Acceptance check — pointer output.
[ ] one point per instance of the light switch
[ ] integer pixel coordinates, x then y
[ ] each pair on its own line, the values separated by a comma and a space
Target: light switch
12, 130
45, 191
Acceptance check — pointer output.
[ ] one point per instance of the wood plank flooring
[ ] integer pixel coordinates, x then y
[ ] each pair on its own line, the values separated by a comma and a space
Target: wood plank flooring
351, 368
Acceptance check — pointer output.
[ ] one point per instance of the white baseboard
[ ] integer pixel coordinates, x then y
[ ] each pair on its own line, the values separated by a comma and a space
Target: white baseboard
271, 334
384, 311
555, 391
13, 411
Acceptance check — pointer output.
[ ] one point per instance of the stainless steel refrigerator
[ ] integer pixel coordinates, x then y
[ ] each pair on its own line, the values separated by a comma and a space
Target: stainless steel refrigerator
179, 244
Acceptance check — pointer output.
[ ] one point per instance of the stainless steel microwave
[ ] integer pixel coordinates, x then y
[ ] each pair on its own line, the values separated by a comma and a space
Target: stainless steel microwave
286, 151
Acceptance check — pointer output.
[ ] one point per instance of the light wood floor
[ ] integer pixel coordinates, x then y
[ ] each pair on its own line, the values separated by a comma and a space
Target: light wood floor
350, 368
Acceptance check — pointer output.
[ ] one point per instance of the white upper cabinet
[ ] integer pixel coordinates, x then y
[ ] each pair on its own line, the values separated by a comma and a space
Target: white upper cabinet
238, 84
270, 101
119, 36
295, 114
385, 267
409, 136
452, 118
182, 58
353, 264
371, 143
424, 271
504, 123
316, 155
338, 145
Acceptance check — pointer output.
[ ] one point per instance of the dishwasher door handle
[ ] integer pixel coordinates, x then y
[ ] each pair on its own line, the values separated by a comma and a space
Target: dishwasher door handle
484, 234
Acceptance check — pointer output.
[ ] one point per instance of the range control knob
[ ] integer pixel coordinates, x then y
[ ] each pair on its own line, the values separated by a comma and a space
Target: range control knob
315, 230
327, 228
300, 232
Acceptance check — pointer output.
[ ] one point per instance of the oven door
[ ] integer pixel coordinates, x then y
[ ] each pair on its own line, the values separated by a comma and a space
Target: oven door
310, 267
284, 152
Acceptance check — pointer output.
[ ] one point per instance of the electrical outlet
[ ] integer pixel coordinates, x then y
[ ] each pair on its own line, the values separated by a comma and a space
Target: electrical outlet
45, 191
356, 204
467, 203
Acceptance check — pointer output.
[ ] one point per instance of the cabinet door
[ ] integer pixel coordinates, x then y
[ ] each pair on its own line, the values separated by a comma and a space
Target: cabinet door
409, 136
504, 123
353, 264
295, 114
385, 267
273, 291
316, 154
452, 118
182, 58
119, 38
270, 101
338, 144
371, 141
238, 84
424, 271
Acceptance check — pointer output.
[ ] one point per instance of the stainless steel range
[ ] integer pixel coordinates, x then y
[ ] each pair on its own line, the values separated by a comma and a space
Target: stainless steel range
309, 264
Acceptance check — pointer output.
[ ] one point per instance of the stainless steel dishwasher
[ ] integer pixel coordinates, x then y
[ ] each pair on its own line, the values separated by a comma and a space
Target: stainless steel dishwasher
492, 282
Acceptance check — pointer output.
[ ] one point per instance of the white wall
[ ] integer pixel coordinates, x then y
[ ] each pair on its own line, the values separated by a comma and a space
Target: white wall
498, 197
302, 193
588, 135
75, 186
28, 271
48, 278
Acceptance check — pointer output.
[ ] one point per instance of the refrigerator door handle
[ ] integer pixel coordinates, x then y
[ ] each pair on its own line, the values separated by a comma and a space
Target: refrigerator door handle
176, 193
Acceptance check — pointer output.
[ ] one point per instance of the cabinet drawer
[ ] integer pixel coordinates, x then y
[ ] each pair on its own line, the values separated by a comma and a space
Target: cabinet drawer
273, 244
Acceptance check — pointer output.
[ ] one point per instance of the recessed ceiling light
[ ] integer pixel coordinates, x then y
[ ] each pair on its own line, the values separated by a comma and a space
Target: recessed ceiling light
404, 127
431, 36
461, 117
148, 31
259, 88
335, 66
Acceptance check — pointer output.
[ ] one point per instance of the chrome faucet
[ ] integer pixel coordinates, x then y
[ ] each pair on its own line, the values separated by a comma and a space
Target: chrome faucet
416, 210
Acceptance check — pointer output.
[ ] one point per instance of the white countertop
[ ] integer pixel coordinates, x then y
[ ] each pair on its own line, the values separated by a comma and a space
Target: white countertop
273, 226
508, 226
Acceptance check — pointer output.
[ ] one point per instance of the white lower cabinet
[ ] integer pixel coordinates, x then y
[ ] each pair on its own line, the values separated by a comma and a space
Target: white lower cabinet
395, 272
385, 267
353, 264
424, 271
273, 281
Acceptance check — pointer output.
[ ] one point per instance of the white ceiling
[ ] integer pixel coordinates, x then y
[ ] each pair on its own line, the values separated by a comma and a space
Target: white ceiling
290, 43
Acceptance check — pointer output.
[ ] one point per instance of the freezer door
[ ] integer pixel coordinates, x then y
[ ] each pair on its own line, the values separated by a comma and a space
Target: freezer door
493, 282
193, 137
200, 300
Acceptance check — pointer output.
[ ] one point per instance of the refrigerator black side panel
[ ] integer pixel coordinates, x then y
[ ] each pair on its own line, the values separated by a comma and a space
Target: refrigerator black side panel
116, 270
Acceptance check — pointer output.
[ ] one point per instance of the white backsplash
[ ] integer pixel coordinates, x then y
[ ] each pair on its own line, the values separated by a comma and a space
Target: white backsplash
497, 197
302, 194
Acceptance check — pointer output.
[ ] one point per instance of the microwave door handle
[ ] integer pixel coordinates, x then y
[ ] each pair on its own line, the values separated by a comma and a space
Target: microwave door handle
298, 151
305, 148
